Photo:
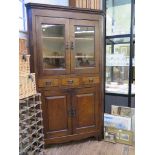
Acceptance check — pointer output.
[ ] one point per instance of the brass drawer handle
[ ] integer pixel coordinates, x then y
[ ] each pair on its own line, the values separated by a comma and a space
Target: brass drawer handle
91, 80
70, 81
48, 83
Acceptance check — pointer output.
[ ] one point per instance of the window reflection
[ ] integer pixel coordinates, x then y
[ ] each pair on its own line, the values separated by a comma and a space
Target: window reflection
84, 46
53, 46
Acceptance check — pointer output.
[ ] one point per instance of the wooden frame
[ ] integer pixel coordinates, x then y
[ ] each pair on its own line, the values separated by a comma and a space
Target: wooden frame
89, 4
95, 68
48, 20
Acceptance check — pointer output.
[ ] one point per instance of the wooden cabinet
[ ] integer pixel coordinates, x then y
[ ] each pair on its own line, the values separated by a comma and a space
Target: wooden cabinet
66, 55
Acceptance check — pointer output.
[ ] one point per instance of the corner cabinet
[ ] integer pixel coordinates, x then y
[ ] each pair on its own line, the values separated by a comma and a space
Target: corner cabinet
66, 46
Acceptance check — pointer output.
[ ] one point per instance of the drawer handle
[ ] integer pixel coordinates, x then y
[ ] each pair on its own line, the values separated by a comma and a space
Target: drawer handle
91, 80
70, 81
48, 83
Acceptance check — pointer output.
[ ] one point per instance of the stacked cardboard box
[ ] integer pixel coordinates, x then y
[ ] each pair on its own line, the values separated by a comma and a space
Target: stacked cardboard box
27, 84
119, 125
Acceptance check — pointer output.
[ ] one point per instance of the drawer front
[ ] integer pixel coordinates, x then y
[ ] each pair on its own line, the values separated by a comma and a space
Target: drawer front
70, 82
90, 80
48, 83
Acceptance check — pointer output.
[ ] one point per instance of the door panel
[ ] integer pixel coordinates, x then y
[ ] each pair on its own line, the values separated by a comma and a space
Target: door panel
56, 106
84, 36
85, 110
57, 109
52, 45
85, 103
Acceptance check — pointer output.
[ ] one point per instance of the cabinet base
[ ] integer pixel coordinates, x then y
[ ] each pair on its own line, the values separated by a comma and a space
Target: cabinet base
74, 137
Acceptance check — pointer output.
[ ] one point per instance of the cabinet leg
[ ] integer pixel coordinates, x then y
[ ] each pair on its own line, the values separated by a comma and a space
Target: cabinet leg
99, 137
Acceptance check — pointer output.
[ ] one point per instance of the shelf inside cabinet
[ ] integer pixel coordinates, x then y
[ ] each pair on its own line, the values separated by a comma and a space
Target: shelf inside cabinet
91, 39
53, 57
83, 56
58, 38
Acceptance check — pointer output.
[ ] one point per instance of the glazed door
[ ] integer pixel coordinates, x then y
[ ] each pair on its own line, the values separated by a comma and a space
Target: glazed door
86, 110
56, 107
53, 45
84, 37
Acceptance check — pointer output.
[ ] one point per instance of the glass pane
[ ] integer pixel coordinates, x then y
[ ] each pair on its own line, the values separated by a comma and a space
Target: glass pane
53, 46
84, 46
118, 17
117, 65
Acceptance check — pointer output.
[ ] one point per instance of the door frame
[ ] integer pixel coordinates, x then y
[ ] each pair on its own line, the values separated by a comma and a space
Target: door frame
58, 21
82, 70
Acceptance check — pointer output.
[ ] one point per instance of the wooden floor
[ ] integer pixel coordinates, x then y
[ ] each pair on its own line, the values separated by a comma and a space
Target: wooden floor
90, 147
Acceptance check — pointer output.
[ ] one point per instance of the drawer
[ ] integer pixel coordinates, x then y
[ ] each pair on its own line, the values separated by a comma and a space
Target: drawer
70, 82
48, 83
90, 80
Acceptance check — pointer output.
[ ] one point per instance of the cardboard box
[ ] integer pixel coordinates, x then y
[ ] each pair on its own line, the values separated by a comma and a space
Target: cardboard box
119, 122
118, 136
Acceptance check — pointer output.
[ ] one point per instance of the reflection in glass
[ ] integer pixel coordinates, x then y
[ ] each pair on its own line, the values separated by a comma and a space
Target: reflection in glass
84, 46
118, 17
53, 46
117, 65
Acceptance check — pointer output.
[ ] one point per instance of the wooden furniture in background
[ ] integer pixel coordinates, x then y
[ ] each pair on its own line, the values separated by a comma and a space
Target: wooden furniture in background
89, 4
66, 47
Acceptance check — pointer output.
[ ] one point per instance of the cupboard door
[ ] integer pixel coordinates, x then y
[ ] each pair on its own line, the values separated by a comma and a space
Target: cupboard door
56, 107
52, 45
85, 110
84, 36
